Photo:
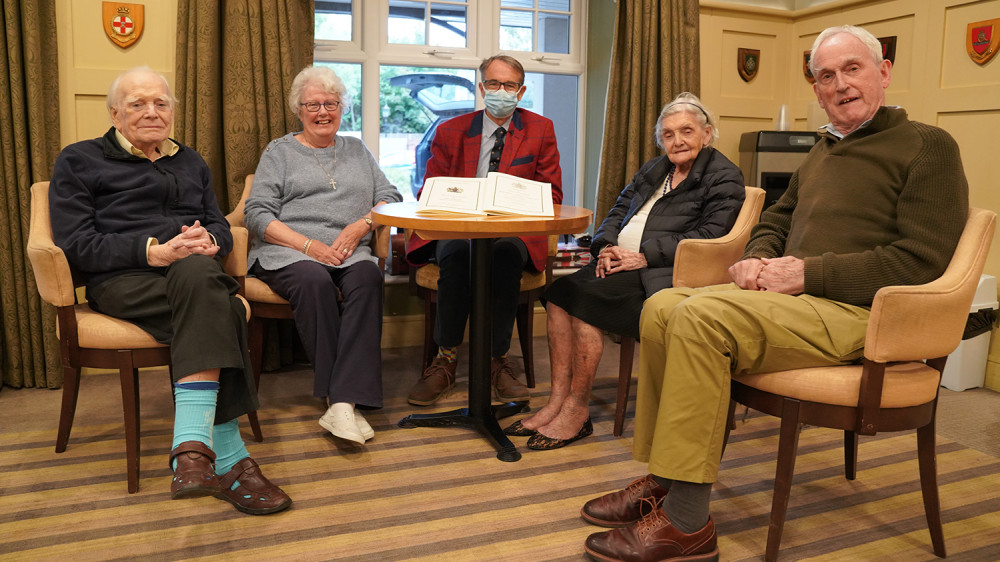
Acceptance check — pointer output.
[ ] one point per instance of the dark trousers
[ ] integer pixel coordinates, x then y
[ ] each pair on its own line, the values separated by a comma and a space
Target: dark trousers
344, 343
455, 293
191, 305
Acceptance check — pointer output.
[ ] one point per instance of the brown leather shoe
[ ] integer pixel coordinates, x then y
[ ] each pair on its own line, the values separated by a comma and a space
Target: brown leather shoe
506, 387
195, 474
654, 538
623, 507
434, 383
255, 494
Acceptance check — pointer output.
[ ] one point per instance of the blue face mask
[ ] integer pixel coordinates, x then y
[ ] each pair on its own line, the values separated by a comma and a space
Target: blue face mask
500, 104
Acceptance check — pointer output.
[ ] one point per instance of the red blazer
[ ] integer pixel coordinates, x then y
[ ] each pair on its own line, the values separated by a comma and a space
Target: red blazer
529, 152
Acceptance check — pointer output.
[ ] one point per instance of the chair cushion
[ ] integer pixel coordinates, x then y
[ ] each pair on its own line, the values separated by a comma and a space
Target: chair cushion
99, 331
427, 277
259, 291
906, 384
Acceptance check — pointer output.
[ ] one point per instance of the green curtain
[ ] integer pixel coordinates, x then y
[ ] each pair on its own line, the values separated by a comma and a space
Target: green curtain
29, 144
654, 58
235, 63
236, 60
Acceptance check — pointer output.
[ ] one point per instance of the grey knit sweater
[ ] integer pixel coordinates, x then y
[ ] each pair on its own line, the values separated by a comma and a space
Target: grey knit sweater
290, 185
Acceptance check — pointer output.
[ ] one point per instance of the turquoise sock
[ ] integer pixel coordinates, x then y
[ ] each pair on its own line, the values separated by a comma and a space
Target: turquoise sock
229, 448
194, 412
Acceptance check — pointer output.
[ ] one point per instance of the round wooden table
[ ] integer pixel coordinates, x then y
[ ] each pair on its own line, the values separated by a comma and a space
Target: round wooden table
483, 230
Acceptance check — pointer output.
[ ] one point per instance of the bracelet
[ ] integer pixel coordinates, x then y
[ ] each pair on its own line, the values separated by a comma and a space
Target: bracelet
305, 247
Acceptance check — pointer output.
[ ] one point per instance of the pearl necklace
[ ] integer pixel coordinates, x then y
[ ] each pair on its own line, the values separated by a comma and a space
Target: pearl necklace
668, 185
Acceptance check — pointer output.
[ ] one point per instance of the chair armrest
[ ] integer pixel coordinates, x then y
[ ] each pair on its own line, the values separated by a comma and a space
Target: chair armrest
235, 263
914, 322
52, 273
701, 262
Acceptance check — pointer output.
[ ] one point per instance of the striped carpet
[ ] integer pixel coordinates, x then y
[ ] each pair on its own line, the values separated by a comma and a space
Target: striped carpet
440, 494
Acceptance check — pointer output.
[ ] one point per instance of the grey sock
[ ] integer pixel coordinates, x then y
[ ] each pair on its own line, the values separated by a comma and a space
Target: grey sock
687, 505
663, 482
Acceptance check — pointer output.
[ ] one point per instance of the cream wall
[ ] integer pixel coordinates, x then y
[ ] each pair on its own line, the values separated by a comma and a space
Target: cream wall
89, 61
933, 78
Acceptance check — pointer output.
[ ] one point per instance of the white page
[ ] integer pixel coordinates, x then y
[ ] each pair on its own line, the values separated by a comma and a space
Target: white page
507, 194
452, 195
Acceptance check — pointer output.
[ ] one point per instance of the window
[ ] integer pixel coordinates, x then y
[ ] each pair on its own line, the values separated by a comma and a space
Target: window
408, 65
535, 25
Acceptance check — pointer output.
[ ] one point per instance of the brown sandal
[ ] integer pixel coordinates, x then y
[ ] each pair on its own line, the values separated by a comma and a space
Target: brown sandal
254, 494
194, 476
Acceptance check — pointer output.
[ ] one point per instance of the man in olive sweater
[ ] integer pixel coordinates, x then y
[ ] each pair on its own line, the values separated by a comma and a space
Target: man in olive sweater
880, 200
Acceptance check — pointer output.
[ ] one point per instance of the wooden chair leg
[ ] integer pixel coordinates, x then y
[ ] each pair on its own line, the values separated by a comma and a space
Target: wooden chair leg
927, 460
256, 344
850, 455
525, 334
788, 444
624, 380
71, 391
129, 376
730, 426
430, 314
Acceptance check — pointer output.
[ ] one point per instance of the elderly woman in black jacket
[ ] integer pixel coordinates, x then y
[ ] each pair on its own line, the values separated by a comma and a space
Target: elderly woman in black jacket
692, 191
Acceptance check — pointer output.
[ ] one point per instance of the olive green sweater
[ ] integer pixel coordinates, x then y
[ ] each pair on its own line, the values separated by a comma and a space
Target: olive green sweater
883, 206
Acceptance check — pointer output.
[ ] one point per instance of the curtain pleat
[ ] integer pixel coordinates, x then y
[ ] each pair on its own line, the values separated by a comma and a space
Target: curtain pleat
236, 60
654, 58
235, 63
29, 144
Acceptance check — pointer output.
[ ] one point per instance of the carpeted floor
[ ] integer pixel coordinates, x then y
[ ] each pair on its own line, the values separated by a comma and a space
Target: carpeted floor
440, 493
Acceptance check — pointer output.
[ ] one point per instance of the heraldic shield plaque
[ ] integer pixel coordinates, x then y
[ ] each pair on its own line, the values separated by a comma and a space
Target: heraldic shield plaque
122, 22
748, 63
981, 40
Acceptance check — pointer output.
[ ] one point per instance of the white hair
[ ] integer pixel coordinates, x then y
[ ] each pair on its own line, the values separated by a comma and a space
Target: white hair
322, 76
115, 93
686, 101
863, 35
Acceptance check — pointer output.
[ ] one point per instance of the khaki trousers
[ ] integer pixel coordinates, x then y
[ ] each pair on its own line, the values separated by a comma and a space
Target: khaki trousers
694, 340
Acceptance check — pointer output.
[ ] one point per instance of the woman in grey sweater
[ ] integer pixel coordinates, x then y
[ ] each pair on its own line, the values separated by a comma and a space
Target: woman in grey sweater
309, 215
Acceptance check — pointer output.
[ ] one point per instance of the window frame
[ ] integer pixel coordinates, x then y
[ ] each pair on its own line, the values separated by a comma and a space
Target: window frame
370, 48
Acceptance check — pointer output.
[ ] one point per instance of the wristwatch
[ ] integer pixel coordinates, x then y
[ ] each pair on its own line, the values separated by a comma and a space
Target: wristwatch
368, 221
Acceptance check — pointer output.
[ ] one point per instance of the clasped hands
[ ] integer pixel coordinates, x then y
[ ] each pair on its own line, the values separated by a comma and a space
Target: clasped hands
192, 239
340, 249
779, 275
613, 259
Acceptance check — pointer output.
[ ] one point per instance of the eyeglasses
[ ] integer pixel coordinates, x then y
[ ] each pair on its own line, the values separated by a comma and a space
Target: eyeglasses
313, 106
494, 85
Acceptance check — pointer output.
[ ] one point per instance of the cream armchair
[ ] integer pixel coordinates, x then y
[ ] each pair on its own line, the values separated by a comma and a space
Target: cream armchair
911, 332
698, 262
90, 339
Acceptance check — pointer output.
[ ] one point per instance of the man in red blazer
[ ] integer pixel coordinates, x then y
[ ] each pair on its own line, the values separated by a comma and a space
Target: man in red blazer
500, 138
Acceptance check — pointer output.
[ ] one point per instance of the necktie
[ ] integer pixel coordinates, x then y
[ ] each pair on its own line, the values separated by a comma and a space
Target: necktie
499, 135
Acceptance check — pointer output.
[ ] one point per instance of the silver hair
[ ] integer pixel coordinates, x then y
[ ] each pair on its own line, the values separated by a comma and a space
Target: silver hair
861, 33
115, 93
322, 76
686, 101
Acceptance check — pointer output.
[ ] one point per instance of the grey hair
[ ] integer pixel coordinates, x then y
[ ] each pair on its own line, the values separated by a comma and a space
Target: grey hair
686, 101
861, 33
115, 93
322, 76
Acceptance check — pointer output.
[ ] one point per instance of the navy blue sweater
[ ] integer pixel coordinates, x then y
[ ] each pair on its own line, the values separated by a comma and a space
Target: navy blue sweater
106, 203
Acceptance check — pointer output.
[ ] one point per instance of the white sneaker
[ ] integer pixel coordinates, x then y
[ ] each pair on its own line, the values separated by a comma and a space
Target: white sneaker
366, 430
340, 421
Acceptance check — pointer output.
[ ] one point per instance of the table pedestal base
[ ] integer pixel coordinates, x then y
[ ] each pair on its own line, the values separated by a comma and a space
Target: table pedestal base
486, 425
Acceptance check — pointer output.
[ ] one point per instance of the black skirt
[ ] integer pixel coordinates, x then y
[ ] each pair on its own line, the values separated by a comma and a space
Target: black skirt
612, 303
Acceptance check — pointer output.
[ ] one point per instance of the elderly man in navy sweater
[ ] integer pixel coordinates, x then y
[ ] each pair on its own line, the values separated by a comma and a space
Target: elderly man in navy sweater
136, 215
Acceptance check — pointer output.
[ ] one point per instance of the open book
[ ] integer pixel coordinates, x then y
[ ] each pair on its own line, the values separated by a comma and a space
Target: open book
496, 194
